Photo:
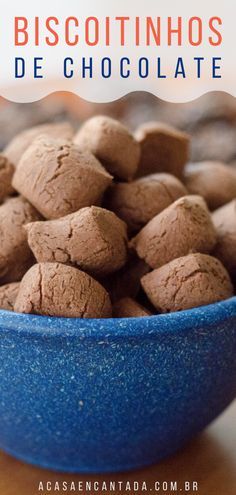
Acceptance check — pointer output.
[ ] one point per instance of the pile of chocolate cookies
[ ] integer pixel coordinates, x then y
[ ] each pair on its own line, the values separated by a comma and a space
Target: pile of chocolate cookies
103, 223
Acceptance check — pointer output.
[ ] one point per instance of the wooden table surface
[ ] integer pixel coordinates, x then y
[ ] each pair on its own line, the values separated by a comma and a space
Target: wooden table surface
210, 460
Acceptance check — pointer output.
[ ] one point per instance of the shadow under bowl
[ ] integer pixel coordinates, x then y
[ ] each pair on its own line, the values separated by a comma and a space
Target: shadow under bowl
112, 395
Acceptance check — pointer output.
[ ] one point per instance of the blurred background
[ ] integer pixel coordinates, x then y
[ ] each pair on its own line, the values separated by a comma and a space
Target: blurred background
210, 120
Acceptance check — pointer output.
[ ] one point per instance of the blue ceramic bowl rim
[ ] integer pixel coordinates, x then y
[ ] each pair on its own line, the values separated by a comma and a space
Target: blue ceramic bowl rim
172, 323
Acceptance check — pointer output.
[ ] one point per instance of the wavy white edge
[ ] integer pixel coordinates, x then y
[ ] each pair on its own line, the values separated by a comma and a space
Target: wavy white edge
119, 95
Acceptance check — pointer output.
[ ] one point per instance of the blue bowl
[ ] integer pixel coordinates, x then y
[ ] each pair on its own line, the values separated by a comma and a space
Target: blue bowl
112, 395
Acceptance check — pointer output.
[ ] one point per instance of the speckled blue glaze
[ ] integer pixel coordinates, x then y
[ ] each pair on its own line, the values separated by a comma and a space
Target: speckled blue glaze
111, 395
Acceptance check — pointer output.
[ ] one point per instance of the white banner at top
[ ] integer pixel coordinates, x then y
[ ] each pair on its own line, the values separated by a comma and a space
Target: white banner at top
102, 50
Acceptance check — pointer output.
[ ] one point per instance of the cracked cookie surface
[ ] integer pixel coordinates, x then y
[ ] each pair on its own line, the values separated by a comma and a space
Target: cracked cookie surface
15, 254
112, 143
93, 239
184, 227
54, 289
59, 179
19, 144
6, 174
139, 201
187, 282
224, 219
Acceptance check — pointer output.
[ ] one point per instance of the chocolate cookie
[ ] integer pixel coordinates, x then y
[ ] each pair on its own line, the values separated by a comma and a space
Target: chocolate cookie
59, 179
139, 201
112, 144
54, 289
19, 144
163, 149
215, 181
94, 239
187, 282
15, 254
184, 227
